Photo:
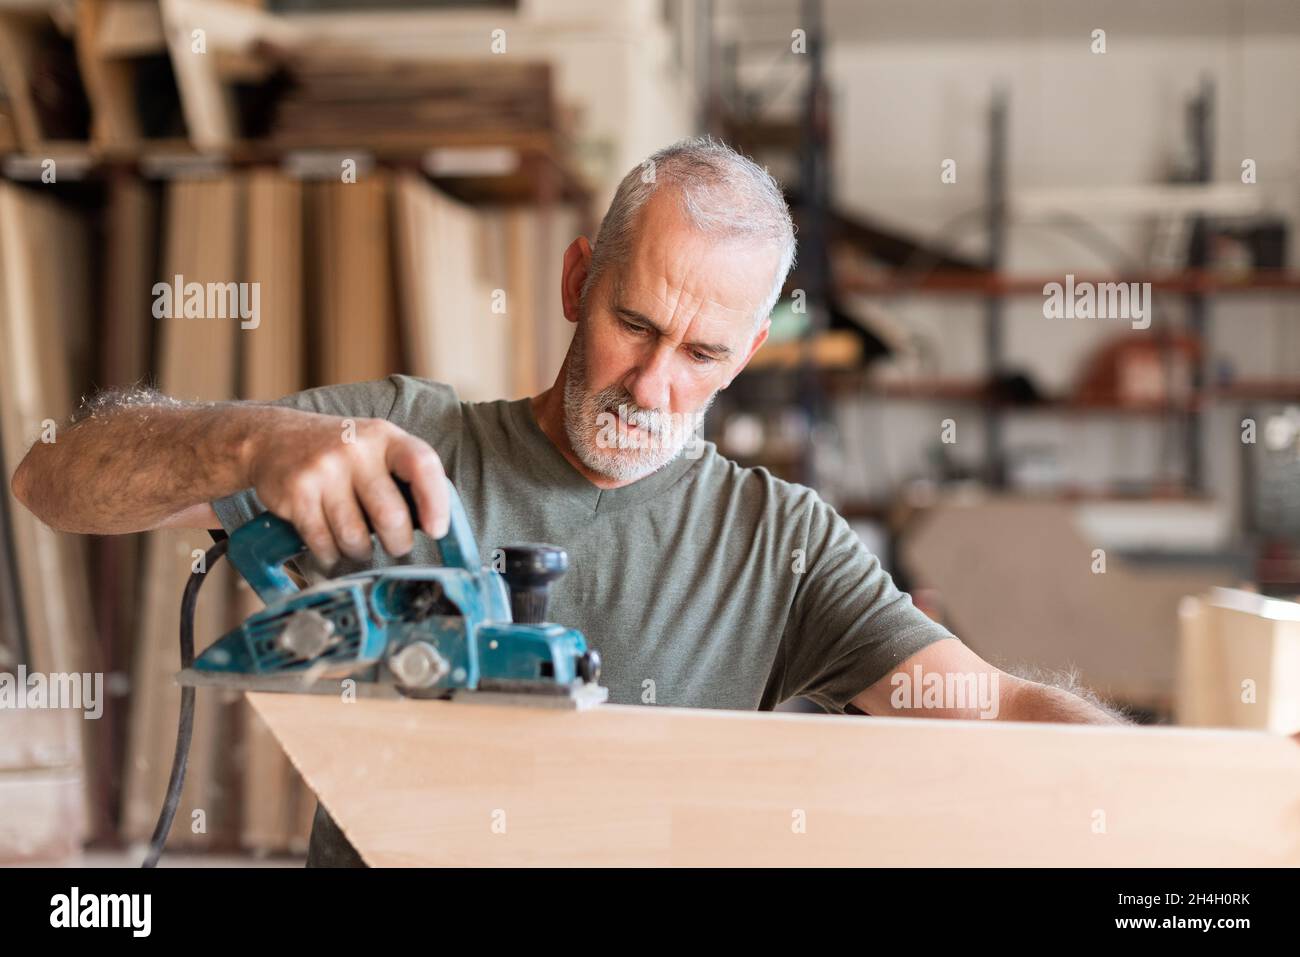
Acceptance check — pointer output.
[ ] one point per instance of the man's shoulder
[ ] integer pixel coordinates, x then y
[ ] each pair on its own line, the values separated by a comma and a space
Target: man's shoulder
756, 488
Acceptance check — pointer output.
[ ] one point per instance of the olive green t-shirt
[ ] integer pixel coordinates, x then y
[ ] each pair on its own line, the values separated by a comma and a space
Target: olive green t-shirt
703, 585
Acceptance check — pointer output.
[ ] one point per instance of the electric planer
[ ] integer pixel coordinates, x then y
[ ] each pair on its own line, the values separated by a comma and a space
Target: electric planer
427, 631
462, 630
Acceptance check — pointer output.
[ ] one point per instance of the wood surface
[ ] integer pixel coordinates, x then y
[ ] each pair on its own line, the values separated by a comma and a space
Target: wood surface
416, 783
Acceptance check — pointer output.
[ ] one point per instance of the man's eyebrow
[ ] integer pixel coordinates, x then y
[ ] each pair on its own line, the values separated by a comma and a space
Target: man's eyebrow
716, 349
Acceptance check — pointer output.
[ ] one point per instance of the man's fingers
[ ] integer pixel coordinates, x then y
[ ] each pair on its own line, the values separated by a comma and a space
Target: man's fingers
347, 523
417, 463
309, 519
388, 512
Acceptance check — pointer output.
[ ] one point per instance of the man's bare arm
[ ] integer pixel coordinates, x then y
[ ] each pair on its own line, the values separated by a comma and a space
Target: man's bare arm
140, 460
974, 689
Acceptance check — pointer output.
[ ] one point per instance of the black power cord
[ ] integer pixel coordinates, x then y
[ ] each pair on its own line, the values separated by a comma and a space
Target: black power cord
185, 727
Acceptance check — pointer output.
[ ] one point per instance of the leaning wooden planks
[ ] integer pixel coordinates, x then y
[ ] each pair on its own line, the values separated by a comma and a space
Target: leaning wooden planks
454, 330
349, 281
121, 330
419, 783
276, 812
42, 296
197, 360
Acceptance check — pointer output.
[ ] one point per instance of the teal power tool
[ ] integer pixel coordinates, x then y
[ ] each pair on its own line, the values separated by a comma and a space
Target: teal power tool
459, 630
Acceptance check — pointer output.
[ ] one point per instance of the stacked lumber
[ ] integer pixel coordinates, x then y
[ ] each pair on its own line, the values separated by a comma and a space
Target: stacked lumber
44, 312
340, 101
356, 280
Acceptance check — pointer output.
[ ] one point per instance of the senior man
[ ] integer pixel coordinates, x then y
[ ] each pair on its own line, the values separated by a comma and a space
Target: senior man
702, 584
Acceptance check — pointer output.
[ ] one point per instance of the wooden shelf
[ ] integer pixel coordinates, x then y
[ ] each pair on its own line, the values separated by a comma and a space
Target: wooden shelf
1001, 284
980, 393
541, 174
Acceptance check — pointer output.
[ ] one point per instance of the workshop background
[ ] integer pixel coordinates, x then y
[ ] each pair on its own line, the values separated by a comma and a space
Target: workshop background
1083, 495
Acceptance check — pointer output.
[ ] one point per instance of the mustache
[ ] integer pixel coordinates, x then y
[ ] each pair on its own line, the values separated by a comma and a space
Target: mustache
618, 401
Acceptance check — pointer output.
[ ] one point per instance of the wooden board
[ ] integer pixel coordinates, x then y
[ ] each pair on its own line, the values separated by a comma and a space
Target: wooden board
350, 297
1239, 662
43, 819
41, 300
121, 331
197, 361
450, 330
271, 364
109, 81
419, 783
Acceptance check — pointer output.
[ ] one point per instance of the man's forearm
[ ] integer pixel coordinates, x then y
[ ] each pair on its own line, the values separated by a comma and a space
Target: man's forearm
1032, 701
132, 460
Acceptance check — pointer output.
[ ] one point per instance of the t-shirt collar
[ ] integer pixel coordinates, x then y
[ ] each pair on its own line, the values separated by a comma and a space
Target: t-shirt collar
569, 480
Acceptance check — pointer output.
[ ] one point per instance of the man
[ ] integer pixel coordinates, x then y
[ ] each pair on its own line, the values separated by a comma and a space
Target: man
702, 584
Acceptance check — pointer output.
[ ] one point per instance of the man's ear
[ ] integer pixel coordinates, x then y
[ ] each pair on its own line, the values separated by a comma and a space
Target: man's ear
760, 337
577, 260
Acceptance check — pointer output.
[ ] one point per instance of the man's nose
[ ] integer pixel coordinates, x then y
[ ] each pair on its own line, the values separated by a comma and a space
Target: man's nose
651, 382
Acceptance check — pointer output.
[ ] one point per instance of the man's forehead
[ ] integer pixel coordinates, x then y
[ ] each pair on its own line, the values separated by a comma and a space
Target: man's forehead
722, 295
660, 299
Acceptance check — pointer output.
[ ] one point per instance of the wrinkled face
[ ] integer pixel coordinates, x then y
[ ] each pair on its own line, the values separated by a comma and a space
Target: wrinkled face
662, 334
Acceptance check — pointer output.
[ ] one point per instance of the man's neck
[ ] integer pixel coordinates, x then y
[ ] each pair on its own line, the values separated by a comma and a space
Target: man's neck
548, 410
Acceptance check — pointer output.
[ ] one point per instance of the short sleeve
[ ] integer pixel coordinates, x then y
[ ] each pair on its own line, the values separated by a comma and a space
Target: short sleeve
849, 625
363, 400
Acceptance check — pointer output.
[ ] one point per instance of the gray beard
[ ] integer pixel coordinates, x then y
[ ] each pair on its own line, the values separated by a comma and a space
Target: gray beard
583, 410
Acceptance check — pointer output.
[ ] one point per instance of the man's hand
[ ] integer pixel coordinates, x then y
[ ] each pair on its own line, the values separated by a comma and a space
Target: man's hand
306, 473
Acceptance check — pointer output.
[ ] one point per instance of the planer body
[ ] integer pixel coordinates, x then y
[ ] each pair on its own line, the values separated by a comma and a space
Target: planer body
425, 630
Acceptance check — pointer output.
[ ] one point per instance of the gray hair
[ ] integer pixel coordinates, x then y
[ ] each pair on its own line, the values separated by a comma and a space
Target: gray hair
719, 190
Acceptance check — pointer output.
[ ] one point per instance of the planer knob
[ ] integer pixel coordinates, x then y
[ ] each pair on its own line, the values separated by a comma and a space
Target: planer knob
529, 571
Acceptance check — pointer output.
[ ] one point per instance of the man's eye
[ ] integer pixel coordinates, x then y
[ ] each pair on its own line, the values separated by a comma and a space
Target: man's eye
633, 327
703, 358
